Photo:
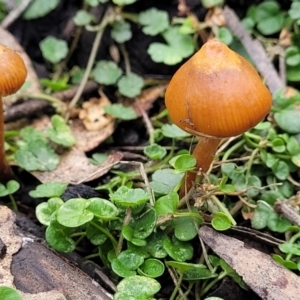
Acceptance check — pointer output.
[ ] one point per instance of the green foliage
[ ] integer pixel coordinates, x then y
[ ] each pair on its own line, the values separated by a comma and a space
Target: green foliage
137, 287
9, 293
39, 8
53, 49
60, 133
121, 31
177, 47
82, 18
154, 28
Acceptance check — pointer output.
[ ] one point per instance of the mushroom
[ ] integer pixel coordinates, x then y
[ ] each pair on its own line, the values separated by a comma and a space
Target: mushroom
13, 75
216, 94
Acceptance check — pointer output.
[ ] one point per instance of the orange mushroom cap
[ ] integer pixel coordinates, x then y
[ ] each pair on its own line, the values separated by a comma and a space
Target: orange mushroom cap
13, 71
217, 93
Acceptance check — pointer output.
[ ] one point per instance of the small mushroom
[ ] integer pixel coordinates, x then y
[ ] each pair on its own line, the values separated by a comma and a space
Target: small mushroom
216, 94
13, 75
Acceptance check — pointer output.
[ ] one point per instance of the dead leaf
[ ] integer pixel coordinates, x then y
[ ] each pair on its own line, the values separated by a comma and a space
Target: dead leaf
89, 140
74, 168
93, 115
148, 97
261, 273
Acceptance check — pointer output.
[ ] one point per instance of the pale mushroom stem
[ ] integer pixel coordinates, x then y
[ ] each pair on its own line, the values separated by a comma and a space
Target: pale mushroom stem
6, 173
204, 153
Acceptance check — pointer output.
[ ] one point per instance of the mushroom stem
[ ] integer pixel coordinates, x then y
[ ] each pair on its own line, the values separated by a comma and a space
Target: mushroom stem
204, 153
6, 172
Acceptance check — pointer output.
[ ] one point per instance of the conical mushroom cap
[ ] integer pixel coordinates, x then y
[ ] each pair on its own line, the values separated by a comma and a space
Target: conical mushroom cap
12, 69
217, 93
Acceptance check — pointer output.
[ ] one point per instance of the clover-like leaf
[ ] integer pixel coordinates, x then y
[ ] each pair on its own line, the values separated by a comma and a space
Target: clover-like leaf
49, 190
53, 49
151, 268
137, 287
121, 31
178, 250
121, 112
144, 223
130, 85
177, 47
60, 133
155, 151
37, 155
128, 197
164, 181
58, 237
106, 72
45, 210
154, 21
74, 213
103, 209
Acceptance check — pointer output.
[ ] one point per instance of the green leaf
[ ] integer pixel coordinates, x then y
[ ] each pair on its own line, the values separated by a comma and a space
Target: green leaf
281, 170
95, 2
49, 190
103, 209
82, 18
228, 169
177, 48
173, 131
155, 244
128, 197
167, 204
212, 3
185, 227
293, 146
288, 119
220, 222
37, 155
286, 263
58, 237
144, 223
123, 2
164, 181
57, 85
12, 186
152, 268
278, 223
256, 183
292, 55
233, 274
53, 49
155, 151
45, 210
225, 35
121, 31
198, 273
136, 287
106, 72
74, 213
178, 250
183, 163
261, 214
290, 248
95, 236
130, 85
39, 8
294, 11
60, 133
121, 112
8, 293
126, 263
151, 27
269, 17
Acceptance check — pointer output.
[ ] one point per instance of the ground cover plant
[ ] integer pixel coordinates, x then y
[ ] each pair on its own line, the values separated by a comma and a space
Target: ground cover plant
112, 169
